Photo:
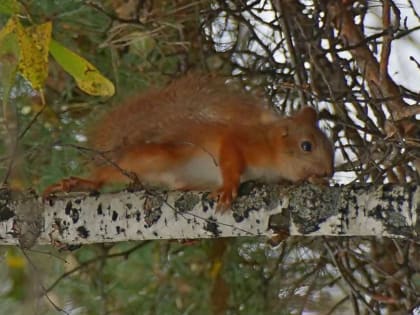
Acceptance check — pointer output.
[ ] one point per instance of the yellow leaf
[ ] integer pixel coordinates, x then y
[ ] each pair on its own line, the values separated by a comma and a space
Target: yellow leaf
87, 77
8, 28
34, 43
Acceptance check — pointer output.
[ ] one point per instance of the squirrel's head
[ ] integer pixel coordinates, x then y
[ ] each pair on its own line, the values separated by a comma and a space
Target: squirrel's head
304, 151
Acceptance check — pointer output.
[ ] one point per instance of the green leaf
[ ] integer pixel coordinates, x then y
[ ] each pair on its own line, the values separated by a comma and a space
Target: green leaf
87, 77
9, 7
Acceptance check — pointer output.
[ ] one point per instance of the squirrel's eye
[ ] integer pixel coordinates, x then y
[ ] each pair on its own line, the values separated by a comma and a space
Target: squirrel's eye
306, 146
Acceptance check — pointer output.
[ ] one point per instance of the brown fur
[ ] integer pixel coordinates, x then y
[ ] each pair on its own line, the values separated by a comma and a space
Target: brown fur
198, 133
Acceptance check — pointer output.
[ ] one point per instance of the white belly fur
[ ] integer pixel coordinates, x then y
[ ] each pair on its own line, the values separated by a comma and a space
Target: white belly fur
202, 173
197, 173
255, 173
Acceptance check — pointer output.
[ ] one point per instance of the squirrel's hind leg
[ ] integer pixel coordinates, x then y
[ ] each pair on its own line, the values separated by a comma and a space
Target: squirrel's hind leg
71, 184
152, 163
98, 178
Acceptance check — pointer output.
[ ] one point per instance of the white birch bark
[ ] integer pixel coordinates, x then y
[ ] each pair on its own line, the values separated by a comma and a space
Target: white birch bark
385, 210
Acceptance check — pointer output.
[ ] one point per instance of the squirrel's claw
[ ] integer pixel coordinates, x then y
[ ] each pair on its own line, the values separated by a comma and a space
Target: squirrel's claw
224, 197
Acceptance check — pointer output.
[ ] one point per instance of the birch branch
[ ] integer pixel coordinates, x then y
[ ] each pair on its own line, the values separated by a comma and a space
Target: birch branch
385, 210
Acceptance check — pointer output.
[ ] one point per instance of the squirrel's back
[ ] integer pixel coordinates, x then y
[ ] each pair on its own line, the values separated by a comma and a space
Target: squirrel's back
164, 115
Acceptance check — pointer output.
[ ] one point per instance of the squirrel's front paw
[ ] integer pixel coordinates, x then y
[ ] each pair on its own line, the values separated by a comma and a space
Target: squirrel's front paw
224, 196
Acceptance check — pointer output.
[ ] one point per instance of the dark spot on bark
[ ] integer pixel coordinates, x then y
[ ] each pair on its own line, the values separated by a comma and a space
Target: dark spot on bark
6, 214
212, 227
94, 193
155, 234
78, 201
411, 188
387, 188
131, 190
377, 212
99, 209
400, 200
74, 214
356, 209
138, 216
59, 224
238, 217
207, 202
118, 229
69, 205
129, 206
114, 216
82, 232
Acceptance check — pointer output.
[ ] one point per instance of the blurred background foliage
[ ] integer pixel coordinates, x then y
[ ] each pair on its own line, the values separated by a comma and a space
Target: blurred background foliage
288, 50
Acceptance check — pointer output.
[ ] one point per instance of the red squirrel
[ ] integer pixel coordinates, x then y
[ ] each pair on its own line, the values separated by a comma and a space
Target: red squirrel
198, 133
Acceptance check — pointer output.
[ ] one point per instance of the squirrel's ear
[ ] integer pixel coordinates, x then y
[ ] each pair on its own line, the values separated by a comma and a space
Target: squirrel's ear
307, 115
